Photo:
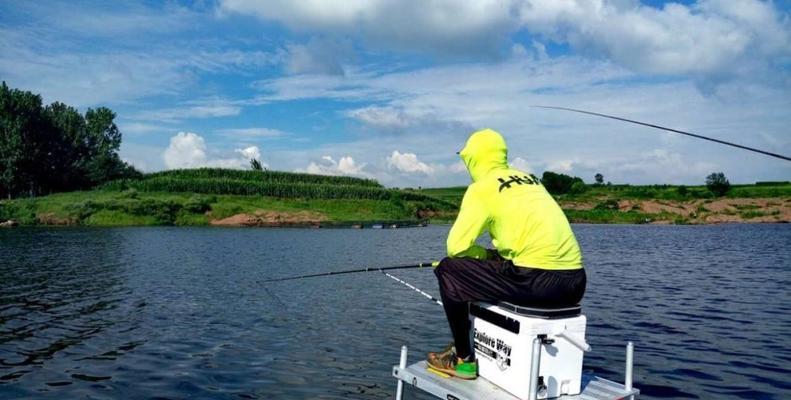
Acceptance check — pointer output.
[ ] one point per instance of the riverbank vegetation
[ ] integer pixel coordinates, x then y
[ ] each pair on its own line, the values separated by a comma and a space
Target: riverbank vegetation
209, 196
217, 197
61, 167
665, 204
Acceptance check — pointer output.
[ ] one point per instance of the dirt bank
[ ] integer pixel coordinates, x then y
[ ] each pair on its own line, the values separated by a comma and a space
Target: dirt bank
272, 218
708, 211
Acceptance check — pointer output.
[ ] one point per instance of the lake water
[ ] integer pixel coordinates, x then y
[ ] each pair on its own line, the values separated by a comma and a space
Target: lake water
180, 312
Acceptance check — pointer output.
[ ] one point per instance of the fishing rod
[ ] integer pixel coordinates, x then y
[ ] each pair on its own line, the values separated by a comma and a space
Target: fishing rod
780, 156
430, 297
352, 271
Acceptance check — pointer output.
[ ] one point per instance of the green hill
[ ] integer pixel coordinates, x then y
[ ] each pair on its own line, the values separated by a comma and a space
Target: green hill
213, 196
229, 197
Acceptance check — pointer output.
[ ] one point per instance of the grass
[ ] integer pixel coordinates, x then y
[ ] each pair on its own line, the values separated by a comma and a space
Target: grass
119, 218
659, 193
450, 194
749, 214
603, 199
107, 207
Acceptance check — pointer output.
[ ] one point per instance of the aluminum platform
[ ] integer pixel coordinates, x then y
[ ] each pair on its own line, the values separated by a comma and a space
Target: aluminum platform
417, 375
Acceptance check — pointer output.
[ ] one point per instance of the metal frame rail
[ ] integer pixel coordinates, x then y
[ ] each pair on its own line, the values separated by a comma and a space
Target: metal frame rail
593, 387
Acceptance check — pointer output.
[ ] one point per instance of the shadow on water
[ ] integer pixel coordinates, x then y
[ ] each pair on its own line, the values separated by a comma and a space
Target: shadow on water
180, 312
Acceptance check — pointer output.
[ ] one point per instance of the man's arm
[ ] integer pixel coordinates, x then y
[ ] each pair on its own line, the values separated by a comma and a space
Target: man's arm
473, 218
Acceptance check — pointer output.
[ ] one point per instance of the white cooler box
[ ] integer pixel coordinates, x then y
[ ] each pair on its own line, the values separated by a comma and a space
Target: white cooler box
503, 339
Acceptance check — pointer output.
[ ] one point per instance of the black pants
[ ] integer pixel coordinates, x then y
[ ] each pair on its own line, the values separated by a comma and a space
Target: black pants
462, 280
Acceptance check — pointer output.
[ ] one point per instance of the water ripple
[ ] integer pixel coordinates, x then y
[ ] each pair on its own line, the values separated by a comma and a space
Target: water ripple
180, 312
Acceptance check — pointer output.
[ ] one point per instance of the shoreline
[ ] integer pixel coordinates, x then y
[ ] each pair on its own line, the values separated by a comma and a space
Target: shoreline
342, 225
129, 208
375, 225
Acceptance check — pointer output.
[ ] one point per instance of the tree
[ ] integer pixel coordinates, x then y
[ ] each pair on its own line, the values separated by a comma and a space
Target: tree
23, 136
558, 183
55, 148
256, 165
718, 184
104, 140
599, 178
65, 153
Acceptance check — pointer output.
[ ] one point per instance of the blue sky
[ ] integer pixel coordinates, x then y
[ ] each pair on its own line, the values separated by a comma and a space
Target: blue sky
391, 89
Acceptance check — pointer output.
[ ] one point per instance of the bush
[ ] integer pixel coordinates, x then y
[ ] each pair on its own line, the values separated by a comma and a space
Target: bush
83, 210
609, 204
682, 191
199, 204
718, 184
128, 194
578, 187
20, 211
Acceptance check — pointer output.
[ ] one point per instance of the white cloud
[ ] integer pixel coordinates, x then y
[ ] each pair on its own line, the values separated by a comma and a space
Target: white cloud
251, 133
251, 152
660, 165
214, 108
188, 150
381, 117
457, 167
319, 56
106, 19
522, 165
445, 27
408, 162
328, 166
564, 166
99, 55
146, 158
435, 108
139, 128
712, 39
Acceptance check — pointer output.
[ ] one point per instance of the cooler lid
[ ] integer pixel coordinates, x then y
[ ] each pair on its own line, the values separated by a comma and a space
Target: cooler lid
541, 312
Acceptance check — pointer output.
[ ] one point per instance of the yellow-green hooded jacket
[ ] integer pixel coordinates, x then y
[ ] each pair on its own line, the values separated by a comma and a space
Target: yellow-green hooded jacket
526, 224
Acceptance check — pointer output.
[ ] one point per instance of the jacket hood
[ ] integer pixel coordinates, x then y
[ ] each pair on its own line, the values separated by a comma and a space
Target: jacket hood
485, 151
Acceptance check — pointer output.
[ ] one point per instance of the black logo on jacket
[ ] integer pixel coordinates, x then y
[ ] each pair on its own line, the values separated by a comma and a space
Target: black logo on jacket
518, 180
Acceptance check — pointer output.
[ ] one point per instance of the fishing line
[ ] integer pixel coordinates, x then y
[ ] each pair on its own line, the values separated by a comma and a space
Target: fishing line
367, 269
780, 156
276, 297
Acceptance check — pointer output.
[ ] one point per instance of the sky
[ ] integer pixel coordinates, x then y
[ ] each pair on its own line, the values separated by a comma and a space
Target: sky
391, 89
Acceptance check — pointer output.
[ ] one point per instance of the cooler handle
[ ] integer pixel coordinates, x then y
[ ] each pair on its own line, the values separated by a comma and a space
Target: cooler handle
575, 340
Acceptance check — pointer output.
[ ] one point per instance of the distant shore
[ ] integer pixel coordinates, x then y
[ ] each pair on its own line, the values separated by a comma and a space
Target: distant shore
695, 212
250, 198
101, 208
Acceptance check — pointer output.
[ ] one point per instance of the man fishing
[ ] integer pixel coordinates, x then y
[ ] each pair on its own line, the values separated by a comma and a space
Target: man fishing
536, 260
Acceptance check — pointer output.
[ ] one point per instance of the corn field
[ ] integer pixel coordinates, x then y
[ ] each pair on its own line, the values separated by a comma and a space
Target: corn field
262, 188
263, 176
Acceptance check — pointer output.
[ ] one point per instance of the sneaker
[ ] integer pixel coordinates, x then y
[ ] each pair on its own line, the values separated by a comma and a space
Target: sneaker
446, 361
450, 348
